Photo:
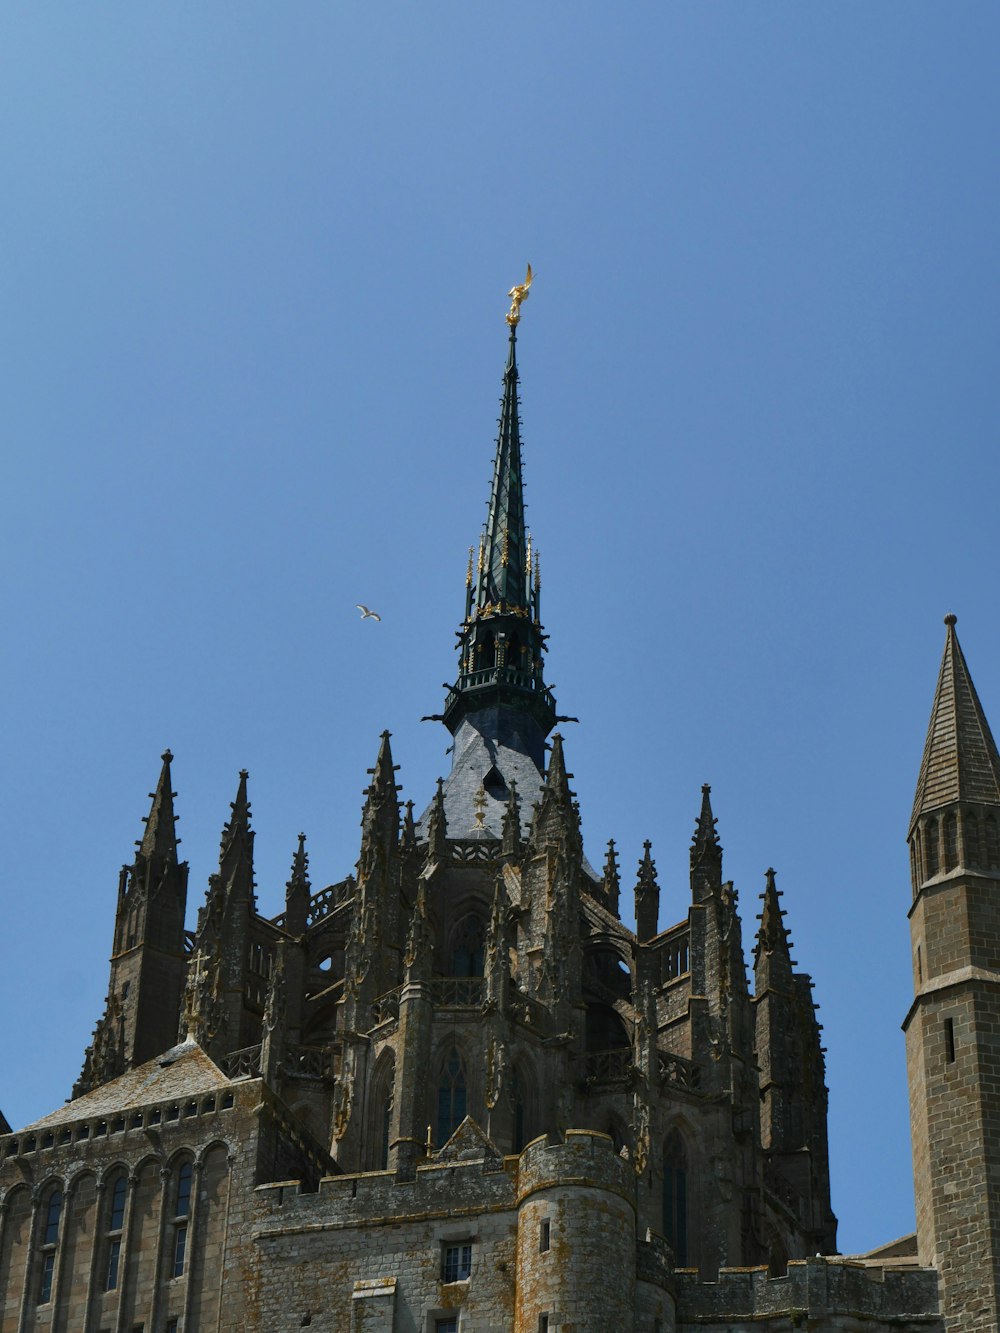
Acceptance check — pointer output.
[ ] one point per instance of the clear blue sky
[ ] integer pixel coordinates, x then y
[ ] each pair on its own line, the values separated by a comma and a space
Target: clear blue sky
254, 259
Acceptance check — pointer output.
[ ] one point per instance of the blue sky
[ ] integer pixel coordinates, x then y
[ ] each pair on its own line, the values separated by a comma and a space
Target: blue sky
253, 268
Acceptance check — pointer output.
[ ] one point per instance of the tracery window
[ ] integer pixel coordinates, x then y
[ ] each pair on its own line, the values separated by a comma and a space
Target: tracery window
468, 947
451, 1098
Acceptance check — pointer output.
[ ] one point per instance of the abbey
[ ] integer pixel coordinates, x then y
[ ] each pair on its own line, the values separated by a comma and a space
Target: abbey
452, 1092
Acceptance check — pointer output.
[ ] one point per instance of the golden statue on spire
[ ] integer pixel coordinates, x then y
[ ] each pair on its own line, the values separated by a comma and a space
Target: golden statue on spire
517, 295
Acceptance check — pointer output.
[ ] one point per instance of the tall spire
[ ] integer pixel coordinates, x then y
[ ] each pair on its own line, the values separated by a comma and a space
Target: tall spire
236, 851
960, 760
503, 577
501, 644
160, 836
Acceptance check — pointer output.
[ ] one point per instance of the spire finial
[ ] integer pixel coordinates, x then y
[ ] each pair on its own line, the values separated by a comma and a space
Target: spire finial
951, 620
518, 295
160, 835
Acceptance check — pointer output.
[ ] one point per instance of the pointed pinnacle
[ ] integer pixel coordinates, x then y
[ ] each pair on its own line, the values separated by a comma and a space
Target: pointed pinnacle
160, 835
647, 868
556, 777
773, 933
960, 760
611, 864
300, 867
705, 842
238, 823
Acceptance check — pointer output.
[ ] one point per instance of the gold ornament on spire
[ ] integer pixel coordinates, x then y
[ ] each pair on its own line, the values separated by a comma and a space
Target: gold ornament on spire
517, 295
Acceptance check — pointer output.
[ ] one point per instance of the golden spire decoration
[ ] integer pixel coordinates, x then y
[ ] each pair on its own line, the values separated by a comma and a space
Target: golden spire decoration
527, 560
518, 295
468, 572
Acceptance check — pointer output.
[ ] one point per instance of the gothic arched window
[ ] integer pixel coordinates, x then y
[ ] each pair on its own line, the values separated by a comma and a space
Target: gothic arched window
931, 847
451, 1098
468, 951
992, 844
973, 854
50, 1239
182, 1212
950, 841
117, 1195
675, 1196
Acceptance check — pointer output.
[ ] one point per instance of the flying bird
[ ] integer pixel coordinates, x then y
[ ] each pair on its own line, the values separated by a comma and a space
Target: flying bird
366, 614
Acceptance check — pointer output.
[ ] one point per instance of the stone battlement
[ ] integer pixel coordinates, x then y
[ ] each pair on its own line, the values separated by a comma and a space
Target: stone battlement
813, 1287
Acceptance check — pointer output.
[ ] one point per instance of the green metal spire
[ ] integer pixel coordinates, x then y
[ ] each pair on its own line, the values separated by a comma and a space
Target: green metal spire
501, 643
503, 577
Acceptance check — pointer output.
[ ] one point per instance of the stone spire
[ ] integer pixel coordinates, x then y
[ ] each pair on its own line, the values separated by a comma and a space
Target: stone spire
960, 761
236, 850
647, 896
706, 850
772, 953
612, 880
298, 890
503, 576
556, 816
159, 839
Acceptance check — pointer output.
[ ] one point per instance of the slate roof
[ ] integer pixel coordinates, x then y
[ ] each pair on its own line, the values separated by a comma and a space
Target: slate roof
960, 760
183, 1071
487, 741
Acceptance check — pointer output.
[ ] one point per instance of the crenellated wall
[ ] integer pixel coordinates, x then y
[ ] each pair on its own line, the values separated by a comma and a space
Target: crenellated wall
823, 1295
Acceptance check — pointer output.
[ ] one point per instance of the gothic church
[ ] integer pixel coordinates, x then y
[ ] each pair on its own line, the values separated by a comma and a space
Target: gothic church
451, 1092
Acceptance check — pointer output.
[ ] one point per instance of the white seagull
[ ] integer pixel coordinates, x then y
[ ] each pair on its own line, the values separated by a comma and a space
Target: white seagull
366, 614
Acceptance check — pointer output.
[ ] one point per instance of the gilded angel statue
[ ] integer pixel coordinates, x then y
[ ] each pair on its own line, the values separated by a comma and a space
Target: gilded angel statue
517, 295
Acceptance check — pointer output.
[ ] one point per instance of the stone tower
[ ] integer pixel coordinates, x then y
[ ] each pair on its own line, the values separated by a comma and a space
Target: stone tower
953, 1026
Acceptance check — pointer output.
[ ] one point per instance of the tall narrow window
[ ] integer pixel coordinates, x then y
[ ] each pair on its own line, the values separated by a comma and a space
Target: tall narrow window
675, 1196
50, 1239
544, 1235
973, 854
950, 841
451, 1098
182, 1210
992, 845
949, 1040
116, 1220
931, 847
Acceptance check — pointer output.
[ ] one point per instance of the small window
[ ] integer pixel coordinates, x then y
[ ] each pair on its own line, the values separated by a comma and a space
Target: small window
543, 1323
172, 1326
448, 1325
52, 1217
544, 1236
457, 1263
111, 1273
125, 990
116, 1218
180, 1248
183, 1205
48, 1268
949, 1040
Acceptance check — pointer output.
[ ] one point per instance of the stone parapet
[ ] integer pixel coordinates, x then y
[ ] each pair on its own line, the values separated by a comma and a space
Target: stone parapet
835, 1296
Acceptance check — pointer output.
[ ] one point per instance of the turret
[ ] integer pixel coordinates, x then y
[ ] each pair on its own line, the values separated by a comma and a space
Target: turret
952, 1024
